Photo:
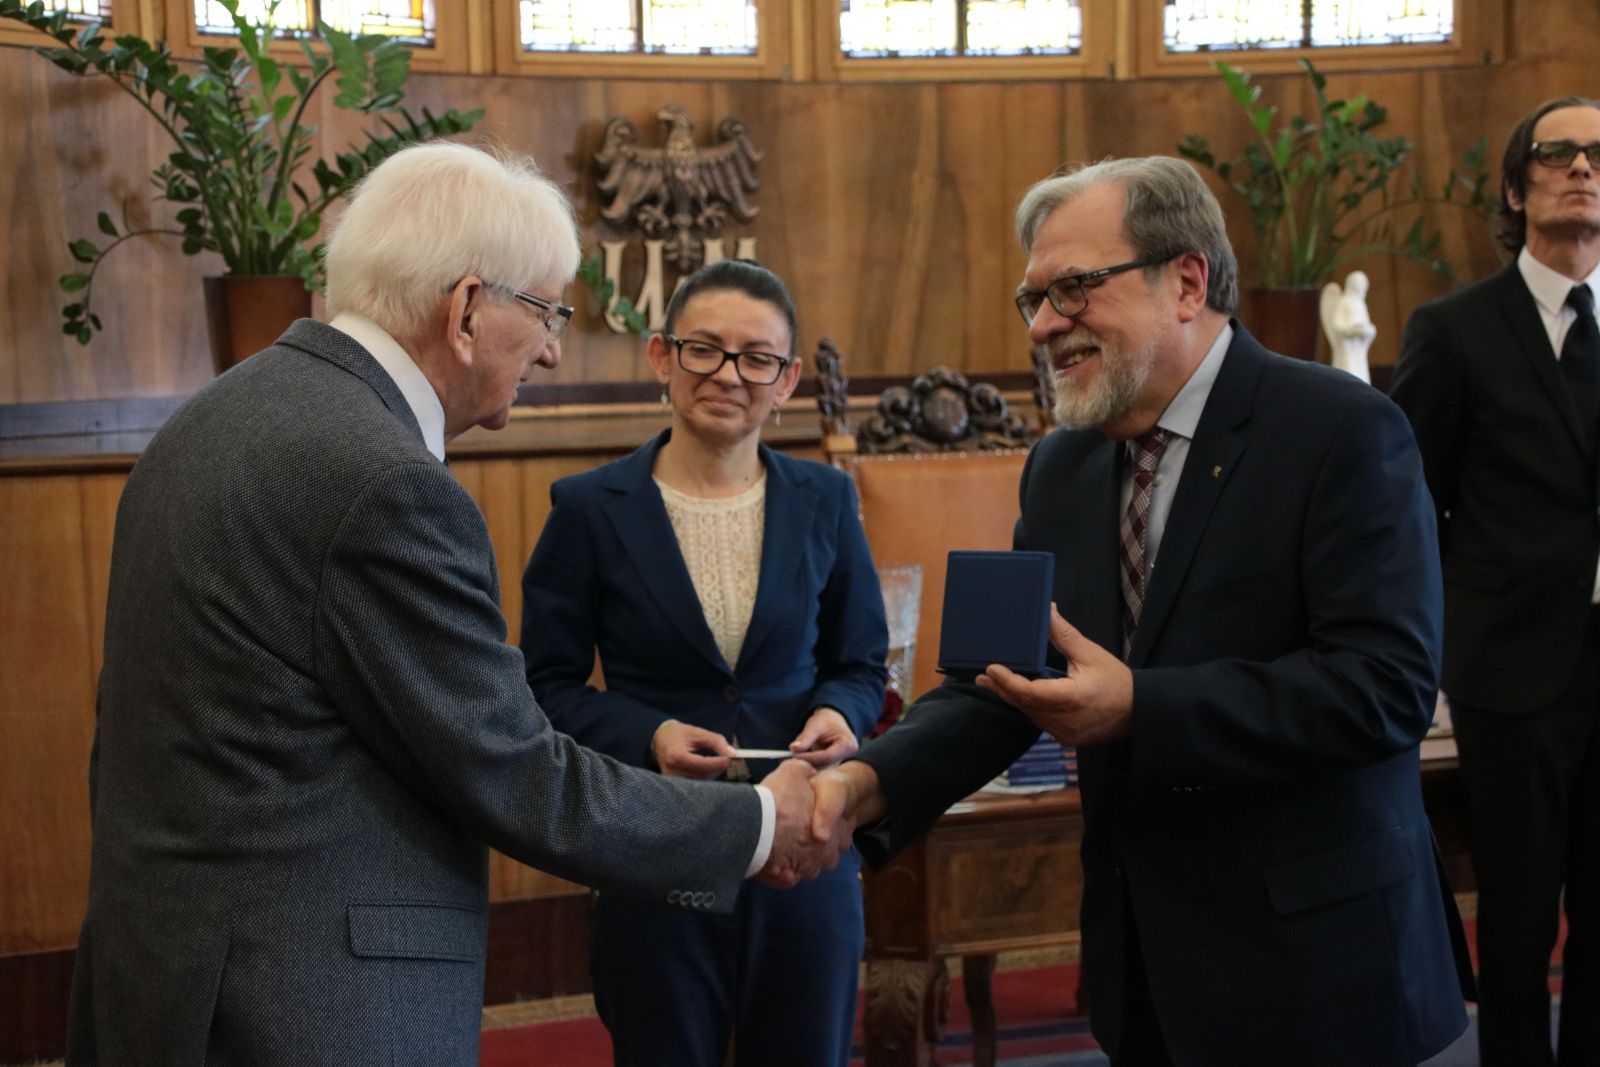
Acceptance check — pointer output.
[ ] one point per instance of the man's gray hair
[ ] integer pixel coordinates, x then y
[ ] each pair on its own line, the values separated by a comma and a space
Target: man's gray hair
1169, 211
433, 213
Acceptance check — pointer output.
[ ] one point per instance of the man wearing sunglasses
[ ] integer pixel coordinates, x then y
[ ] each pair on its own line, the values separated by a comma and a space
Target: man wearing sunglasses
1501, 381
1249, 616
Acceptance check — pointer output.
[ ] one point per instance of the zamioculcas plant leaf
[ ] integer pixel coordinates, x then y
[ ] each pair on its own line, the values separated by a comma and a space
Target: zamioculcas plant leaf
240, 173
1327, 189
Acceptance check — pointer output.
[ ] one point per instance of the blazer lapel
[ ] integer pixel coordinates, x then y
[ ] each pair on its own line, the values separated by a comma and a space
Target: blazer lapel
1213, 455
640, 520
786, 530
1095, 531
1521, 316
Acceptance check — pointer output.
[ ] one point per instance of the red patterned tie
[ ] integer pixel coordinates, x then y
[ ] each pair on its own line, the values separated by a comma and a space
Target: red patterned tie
1146, 455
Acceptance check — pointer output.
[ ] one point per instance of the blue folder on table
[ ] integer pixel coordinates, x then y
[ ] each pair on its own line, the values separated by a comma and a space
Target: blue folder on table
996, 610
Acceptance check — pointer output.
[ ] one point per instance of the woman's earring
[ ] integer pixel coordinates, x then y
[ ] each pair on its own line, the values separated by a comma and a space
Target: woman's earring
664, 400
777, 415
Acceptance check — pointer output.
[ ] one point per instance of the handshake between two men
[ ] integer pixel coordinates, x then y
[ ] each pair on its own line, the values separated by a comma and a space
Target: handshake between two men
818, 810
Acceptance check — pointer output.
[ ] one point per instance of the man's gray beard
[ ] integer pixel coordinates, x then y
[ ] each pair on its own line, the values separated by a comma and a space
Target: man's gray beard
1115, 389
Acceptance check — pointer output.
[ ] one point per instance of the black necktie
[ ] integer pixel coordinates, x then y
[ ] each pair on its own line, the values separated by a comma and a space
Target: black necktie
1580, 361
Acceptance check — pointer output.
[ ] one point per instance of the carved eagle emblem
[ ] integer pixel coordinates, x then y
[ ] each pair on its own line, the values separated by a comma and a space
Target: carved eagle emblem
680, 188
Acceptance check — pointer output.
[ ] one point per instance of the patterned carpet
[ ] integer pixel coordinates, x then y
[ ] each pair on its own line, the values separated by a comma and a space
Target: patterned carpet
1034, 995
1036, 1030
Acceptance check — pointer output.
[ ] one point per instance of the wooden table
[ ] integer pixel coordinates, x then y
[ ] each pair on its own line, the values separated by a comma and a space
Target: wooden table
998, 873
995, 873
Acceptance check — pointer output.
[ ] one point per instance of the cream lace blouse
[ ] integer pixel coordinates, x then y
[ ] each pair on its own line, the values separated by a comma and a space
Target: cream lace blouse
721, 542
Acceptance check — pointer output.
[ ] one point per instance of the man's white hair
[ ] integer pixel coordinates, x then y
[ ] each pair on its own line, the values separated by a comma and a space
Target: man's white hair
431, 214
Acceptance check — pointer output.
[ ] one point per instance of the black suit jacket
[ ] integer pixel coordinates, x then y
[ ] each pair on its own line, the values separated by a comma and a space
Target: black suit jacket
1265, 821
1514, 489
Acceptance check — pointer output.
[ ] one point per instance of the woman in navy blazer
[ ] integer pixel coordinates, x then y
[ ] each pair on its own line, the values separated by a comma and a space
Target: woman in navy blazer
731, 597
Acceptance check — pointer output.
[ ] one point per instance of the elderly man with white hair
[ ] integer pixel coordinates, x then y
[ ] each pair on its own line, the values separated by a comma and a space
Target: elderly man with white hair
310, 726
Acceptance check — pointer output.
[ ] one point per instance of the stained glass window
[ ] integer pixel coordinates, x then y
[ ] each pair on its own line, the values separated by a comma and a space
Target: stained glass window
1221, 25
694, 27
84, 10
873, 28
408, 20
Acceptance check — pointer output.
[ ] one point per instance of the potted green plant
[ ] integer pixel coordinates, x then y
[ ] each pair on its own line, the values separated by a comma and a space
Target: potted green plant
241, 172
1325, 190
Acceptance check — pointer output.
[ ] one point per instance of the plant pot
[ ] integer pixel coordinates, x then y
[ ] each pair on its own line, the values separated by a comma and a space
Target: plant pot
1285, 320
247, 312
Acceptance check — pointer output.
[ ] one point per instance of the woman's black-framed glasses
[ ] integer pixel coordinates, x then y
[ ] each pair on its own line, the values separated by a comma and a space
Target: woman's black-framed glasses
1070, 296
1561, 153
704, 359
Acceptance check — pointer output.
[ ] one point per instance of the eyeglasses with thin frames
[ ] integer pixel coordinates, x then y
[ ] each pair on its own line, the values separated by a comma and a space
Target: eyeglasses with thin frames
556, 316
1562, 153
704, 359
1069, 296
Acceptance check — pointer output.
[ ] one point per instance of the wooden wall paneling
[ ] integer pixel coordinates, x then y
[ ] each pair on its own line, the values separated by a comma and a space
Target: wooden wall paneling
974, 327
824, 218
860, 179
46, 713
906, 263
874, 223
1044, 129
813, 222
27, 302
100, 494
83, 148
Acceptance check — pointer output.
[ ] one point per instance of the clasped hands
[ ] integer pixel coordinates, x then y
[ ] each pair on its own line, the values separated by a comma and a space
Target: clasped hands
817, 814
809, 836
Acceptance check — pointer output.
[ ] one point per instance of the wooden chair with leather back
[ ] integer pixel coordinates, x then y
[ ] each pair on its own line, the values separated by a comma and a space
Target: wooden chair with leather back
936, 466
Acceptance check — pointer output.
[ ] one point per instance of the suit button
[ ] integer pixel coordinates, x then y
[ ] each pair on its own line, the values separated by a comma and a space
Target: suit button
711, 899
674, 897
730, 693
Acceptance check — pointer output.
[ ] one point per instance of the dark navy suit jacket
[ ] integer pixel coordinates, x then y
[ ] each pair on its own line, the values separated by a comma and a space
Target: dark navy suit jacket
1263, 830
607, 574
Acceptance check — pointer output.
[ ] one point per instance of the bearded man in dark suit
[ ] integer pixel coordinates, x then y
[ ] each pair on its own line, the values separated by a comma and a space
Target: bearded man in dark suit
1245, 550
310, 725
1501, 381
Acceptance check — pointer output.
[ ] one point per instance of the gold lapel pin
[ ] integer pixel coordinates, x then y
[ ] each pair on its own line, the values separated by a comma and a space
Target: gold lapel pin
1216, 472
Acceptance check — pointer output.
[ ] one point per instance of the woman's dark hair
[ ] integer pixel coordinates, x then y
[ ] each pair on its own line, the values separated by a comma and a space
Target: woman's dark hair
740, 275
1514, 168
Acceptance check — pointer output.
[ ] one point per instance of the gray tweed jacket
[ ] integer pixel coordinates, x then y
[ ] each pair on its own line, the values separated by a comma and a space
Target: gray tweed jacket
310, 727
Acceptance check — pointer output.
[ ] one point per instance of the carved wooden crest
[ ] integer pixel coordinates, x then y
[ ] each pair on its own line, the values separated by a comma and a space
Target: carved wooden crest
942, 412
679, 190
